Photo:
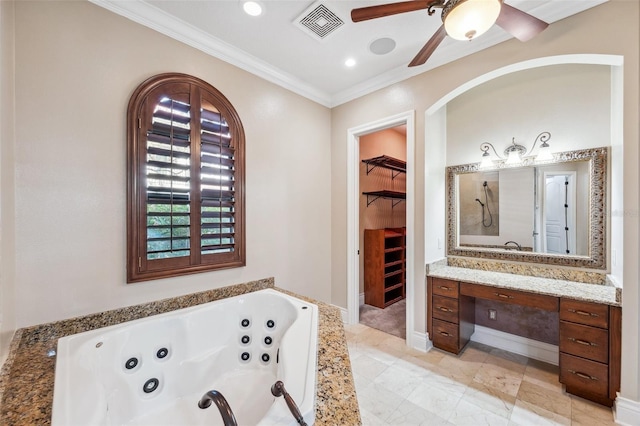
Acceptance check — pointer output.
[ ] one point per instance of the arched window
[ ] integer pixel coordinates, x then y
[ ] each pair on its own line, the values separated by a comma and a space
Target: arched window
185, 180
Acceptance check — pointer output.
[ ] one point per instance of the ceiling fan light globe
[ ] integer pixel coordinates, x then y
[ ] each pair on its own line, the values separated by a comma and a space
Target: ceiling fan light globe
468, 19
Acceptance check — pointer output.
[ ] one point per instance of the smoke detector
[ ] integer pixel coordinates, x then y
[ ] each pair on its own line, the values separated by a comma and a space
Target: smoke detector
319, 21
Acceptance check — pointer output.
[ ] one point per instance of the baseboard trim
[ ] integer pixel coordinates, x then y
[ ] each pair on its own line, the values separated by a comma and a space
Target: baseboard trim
344, 314
420, 342
520, 345
361, 299
626, 412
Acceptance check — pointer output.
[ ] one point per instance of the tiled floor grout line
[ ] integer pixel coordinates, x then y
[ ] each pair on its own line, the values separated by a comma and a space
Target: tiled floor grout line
400, 386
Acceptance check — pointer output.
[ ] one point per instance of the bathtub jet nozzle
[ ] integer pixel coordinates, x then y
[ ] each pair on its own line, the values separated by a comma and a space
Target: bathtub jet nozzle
222, 404
278, 390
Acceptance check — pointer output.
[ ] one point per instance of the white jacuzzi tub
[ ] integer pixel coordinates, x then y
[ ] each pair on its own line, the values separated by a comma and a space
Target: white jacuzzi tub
153, 371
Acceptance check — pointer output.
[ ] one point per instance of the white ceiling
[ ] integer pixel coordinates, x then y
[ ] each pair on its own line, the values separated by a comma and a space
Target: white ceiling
273, 47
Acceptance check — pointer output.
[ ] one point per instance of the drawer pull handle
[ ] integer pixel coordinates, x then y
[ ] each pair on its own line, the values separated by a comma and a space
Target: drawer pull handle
504, 296
443, 309
584, 376
441, 287
583, 313
444, 333
582, 342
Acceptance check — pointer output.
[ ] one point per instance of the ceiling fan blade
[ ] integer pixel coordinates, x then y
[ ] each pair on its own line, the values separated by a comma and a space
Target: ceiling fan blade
519, 24
372, 12
428, 49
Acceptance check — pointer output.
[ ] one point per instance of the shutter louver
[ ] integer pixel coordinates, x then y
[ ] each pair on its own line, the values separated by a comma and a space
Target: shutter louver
185, 180
217, 171
168, 162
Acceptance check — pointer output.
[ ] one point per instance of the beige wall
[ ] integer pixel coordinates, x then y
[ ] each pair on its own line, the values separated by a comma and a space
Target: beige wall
571, 101
611, 28
76, 66
7, 181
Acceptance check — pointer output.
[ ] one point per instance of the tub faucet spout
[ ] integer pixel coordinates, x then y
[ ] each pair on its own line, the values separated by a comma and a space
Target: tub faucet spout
278, 390
222, 404
506, 245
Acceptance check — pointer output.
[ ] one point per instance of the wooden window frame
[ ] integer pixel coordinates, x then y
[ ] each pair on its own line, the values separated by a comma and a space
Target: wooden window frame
139, 114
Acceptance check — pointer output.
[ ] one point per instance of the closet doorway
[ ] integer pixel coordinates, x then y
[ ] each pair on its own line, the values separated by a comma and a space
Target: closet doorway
404, 222
383, 221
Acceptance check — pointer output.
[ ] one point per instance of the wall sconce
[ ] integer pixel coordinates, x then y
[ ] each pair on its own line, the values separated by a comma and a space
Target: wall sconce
515, 153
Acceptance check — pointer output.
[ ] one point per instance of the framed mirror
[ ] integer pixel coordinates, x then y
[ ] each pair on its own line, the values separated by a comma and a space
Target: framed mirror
550, 213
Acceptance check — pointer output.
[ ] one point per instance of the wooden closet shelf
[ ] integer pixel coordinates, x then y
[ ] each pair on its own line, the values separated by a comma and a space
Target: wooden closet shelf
386, 162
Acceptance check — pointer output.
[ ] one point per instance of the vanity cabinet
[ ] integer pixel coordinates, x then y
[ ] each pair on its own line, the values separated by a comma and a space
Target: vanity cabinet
590, 349
589, 333
452, 319
384, 266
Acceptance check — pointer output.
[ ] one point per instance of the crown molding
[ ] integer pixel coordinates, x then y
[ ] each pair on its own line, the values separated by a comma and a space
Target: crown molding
145, 14
158, 20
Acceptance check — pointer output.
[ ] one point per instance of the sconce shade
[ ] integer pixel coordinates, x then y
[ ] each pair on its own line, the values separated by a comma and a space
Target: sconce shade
468, 19
514, 153
513, 158
486, 162
544, 153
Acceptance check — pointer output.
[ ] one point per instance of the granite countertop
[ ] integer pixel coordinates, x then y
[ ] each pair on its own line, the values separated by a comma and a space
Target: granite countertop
588, 292
26, 380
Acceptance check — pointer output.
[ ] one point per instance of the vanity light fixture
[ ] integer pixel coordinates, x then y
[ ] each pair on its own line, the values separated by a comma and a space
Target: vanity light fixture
515, 152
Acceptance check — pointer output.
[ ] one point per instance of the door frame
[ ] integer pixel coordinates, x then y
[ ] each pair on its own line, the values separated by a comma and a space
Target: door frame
353, 215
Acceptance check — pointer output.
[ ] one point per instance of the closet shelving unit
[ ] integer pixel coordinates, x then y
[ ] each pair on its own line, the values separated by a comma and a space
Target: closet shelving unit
384, 266
396, 166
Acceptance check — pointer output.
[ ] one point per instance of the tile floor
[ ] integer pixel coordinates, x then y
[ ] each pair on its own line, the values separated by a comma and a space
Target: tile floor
397, 385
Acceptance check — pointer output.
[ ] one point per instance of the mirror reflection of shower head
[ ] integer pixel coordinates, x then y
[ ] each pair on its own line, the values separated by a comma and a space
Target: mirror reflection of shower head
485, 223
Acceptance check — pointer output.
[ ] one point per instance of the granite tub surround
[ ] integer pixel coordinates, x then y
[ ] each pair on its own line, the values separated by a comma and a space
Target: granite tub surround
335, 379
529, 269
26, 380
552, 287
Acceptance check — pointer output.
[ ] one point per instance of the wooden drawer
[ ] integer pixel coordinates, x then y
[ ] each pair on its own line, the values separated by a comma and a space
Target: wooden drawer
445, 308
584, 341
582, 376
445, 336
595, 314
444, 287
523, 298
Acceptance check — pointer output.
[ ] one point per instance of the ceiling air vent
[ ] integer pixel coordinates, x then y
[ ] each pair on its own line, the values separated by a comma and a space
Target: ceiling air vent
319, 21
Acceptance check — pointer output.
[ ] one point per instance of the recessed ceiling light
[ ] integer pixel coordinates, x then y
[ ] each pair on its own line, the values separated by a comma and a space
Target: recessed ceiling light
350, 62
382, 46
252, 8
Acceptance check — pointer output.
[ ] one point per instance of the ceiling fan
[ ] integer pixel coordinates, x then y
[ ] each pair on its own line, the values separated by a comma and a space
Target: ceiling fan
462, 20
